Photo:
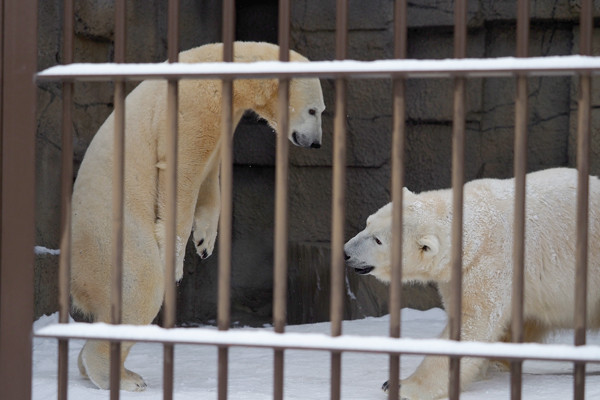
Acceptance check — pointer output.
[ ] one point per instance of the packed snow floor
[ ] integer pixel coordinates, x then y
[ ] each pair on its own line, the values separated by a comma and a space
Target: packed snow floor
306, 372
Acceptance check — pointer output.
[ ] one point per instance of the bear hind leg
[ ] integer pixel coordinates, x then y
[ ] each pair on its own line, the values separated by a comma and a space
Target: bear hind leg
94, 363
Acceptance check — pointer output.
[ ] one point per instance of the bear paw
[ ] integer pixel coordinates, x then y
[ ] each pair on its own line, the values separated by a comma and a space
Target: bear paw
132, 382
386, 387
205, 235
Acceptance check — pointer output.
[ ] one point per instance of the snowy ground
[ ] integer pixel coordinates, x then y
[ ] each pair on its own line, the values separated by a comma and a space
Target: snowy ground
306, 372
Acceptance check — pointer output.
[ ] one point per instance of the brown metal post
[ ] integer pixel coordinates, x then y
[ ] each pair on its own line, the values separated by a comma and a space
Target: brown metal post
64, 272
226, 218
338, 204
118, 182
281, 202
169, 312
520, 169
583, 167
398, 140
458, 177
18, 62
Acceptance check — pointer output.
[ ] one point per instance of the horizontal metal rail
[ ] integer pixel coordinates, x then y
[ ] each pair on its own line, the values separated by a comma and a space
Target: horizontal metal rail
409, 68
315, 341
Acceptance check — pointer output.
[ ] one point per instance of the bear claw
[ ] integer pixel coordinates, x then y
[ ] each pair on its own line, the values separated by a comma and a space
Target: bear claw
386, 386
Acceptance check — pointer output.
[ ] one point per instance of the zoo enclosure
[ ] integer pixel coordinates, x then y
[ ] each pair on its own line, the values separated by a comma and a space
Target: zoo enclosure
399, 71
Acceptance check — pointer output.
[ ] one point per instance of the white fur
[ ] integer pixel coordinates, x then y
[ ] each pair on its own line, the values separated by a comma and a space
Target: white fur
487, 261
198, 193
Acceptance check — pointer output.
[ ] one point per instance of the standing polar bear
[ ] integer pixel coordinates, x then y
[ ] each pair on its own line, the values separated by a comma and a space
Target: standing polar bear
487, 262
198, 195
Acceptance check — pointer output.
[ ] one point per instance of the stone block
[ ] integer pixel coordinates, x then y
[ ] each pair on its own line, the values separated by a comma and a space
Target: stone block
367, 189
95, 19
545, 9
594, 148
49, 33
254, 142
429, 156
319, 16
315, 16
440, 13
548, 105
594, 142
433, 99
369, 141
45, 285
545, 40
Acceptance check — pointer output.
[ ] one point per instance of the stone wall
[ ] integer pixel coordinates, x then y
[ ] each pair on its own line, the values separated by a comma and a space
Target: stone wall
490, 115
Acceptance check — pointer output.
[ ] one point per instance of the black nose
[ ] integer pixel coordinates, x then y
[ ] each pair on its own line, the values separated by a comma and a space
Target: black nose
346, 256
315, 145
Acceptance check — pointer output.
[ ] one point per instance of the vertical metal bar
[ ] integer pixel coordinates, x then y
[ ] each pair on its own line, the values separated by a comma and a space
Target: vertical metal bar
64, 269
458, 176
398, 140
583, 166
281, 199
169, 312
338, 200
118, 182
520, 169
226, 218
17, 189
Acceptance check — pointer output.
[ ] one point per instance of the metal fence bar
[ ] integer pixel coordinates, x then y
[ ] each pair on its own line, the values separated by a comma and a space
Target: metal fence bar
338, 201
226, 216
583, 167
338, 204
170, 302
64, 268
520, 169
323, 342
118, 182
458, 177
410, 68
281, 201
18, 61
398, 141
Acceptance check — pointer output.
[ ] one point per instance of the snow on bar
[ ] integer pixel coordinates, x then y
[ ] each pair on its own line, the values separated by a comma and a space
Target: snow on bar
409, 68
315, 341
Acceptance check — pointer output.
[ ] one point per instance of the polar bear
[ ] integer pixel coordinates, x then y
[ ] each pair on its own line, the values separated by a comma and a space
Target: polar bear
487, 262
198, 195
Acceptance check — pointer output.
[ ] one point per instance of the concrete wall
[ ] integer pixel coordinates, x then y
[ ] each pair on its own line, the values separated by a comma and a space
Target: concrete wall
490, 115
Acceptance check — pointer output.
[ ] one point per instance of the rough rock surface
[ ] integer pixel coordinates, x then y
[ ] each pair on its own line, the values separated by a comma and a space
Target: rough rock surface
489, 149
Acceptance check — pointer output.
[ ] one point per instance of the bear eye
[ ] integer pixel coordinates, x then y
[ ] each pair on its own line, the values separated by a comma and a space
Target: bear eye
424, 248
312, 111
377, 241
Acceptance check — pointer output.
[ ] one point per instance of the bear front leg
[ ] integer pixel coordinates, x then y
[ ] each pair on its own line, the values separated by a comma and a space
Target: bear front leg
185, 207
206, 215
483, 320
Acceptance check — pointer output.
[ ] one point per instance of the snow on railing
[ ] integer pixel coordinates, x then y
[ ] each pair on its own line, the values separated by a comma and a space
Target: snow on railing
316, 341
409, 68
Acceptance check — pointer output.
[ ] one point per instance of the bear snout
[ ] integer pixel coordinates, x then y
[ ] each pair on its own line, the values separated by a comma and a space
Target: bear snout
358, 267
305, 140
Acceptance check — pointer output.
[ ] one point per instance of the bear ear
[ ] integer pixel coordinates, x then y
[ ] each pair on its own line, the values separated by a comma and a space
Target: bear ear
429, 245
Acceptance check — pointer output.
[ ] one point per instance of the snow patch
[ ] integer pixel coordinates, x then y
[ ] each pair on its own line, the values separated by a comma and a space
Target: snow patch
39, 250
306, 372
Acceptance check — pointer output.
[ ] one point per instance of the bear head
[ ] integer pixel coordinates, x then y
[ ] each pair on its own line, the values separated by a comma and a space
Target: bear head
306, 108
426, 240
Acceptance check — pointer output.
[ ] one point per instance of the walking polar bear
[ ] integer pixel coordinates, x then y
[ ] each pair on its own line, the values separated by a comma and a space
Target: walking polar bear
198, 194
487, 262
